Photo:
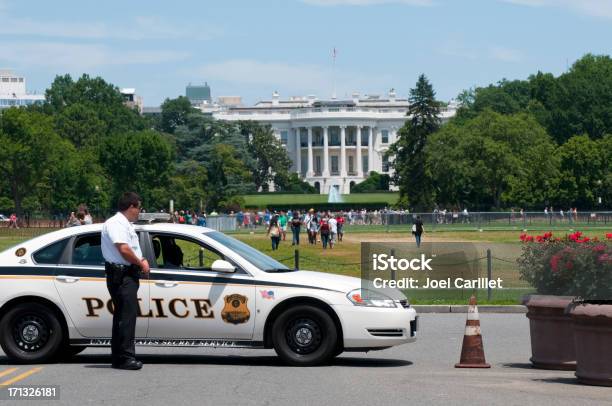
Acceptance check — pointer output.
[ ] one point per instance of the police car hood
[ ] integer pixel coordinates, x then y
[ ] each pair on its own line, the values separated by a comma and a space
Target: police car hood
331, 281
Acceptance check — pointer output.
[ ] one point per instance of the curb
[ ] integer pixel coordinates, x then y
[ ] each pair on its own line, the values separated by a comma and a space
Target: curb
464, 308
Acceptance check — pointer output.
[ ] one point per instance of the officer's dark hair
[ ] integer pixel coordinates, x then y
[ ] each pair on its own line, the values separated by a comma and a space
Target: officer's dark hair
127, 200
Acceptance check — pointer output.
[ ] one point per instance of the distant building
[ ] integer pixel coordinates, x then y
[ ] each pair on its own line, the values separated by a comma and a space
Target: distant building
333, 143
13, 91
131, 99
229, 101
198, 94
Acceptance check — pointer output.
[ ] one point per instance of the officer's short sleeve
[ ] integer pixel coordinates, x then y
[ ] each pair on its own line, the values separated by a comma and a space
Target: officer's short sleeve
118, 234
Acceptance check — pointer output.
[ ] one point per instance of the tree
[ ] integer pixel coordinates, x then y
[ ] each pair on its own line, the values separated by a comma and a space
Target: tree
375, 182
493, 160
227, 174
175, 113
30, 149
291, 183
408, 159
269, 157
140, 161
583, 171
97, 95
80, 125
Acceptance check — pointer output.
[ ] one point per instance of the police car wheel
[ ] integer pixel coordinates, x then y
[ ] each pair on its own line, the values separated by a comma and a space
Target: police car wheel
30, 333
304, 336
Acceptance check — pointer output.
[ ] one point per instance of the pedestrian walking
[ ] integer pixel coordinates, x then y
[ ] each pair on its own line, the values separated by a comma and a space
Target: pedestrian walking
324, 231
296, 225
124, 264
274, 232
340, 221
417, 230
282, 222
333, 231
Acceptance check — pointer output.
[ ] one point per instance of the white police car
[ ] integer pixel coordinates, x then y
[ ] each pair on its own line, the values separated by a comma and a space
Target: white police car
205, 289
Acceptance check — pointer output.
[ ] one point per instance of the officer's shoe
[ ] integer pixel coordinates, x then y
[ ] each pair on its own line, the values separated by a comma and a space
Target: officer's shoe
131, 365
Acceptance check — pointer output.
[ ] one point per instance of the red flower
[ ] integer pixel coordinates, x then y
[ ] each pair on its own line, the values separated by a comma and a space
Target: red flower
609, 236
599, 248
554, 263
569, 265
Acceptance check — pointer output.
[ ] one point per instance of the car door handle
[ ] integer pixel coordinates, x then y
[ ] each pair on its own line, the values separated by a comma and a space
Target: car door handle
166, 284
67, 278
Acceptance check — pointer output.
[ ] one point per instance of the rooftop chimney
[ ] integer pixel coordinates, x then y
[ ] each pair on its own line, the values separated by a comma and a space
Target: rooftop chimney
392, 95
275, 98
355, 97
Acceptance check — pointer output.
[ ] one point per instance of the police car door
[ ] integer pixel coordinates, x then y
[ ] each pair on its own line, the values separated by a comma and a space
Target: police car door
191, 301
81, 283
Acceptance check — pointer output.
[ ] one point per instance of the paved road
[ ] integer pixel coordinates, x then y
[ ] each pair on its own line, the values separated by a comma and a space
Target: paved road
416, 374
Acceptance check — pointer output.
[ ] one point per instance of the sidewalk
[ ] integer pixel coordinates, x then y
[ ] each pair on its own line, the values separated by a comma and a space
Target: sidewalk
464, 308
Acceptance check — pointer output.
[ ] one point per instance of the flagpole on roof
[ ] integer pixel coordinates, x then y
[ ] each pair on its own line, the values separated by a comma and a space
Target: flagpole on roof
334, 53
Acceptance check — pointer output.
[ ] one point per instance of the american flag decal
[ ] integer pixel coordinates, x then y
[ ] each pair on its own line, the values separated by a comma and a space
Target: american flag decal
267, 294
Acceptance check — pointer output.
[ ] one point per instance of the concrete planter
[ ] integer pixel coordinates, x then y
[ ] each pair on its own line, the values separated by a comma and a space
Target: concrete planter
552, 334
592, 322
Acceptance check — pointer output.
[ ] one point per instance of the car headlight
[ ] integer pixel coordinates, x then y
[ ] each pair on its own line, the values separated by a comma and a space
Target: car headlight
370, 298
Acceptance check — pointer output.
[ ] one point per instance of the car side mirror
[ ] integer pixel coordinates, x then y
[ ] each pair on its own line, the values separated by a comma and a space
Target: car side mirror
221, 265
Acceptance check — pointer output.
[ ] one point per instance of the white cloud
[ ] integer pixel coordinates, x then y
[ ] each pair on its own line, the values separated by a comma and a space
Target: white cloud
458, 48
77, 57
506, 54
367, 2
140, 28
594, 8
289, 78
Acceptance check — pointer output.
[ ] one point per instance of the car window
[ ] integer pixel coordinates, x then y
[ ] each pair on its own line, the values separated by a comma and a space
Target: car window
87, 250
174, 252
51, 253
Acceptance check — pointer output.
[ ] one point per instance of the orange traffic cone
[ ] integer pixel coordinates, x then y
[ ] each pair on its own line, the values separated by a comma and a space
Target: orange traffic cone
472, 352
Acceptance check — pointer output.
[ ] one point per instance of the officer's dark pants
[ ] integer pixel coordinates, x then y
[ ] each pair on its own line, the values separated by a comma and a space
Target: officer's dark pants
123, 288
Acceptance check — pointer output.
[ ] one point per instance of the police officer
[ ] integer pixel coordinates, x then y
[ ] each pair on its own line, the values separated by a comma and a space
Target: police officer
123, 265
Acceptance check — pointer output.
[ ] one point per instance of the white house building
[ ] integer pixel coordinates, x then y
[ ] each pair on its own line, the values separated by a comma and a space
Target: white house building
332, 143
13, 91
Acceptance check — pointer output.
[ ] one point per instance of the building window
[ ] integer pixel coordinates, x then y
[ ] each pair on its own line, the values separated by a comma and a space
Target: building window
384, 136
350, 164
385, 163
334, 136
364, 164
364, 136
318, 164
284, 137
334, 164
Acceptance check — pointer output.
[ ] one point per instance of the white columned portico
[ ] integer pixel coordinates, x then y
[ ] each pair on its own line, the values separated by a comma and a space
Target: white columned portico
370, 149
343, 151
325, 152
358, 157
298, 152
310, 172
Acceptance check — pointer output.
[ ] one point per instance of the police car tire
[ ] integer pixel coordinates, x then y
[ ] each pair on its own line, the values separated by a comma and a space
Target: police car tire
48, 331
316, 324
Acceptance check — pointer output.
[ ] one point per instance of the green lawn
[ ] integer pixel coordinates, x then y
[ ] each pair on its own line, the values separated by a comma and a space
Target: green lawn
262, 200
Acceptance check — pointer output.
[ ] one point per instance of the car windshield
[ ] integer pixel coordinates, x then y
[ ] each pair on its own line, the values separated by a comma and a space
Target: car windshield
257, 258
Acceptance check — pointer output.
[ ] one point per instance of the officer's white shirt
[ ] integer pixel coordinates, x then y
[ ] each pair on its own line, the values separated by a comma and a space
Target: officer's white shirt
118, 230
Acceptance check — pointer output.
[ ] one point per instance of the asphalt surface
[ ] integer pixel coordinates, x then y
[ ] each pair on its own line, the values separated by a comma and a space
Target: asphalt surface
421, 373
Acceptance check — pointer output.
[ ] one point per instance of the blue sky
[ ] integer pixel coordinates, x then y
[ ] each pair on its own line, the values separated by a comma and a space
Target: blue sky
251, 48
